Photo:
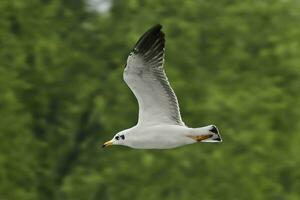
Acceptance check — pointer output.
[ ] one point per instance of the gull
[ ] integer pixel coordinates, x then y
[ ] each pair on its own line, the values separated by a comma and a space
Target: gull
159, 123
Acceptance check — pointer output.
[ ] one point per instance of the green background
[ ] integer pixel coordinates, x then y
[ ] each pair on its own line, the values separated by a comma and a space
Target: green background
233, 63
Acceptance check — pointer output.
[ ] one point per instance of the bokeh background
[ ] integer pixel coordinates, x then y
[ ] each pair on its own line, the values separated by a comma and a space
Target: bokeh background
232, 63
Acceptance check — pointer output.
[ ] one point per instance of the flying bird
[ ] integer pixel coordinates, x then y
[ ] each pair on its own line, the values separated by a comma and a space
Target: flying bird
159, 124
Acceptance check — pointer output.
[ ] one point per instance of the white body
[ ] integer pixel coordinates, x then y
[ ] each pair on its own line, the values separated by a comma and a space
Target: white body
162, 136
158, 137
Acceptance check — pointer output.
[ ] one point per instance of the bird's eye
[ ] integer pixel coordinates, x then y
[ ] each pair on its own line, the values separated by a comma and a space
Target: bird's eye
123, 137
117, 137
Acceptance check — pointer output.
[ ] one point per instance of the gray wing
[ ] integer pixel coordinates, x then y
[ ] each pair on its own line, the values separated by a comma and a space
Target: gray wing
145, 76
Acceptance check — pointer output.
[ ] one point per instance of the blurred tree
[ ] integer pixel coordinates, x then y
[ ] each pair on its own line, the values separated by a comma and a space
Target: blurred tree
232, 63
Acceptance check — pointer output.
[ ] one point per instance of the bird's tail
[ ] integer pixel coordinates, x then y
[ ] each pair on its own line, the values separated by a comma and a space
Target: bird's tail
206, 134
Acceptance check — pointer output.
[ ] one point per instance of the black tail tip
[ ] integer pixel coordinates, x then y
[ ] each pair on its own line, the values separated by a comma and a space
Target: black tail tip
214, 129
218, 139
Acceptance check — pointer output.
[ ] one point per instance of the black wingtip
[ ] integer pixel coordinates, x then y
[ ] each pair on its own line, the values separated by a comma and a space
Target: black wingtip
149, 37
154, 28
157, 26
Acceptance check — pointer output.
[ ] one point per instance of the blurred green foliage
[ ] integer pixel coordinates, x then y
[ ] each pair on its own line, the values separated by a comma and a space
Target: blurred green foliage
232, 63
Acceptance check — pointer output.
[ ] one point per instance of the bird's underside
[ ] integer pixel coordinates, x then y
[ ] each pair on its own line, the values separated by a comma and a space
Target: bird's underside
159, 123
169, 136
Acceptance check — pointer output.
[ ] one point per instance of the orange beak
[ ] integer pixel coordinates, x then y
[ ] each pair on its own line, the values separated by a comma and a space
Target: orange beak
108, 143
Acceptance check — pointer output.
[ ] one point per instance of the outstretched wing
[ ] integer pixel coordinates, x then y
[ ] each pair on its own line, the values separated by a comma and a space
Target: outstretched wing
145, 76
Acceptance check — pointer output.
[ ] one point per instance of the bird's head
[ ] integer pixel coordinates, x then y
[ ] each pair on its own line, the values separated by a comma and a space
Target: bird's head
118, 139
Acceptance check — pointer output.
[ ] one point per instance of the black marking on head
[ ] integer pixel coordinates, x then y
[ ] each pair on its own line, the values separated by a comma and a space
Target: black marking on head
123, 137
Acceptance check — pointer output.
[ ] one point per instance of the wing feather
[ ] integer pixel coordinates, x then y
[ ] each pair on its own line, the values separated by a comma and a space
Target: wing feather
145, 76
